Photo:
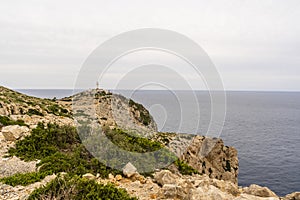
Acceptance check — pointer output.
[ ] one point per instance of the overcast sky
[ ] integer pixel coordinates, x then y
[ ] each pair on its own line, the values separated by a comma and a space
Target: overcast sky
255, 44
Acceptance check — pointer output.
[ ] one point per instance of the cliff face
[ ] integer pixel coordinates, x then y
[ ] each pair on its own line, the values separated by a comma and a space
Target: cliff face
219, 163
207, 155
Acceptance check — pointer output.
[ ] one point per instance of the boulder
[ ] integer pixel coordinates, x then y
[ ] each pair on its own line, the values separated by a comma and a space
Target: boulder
209, 193
169, 191
165, 177
14, 132
129, 170
260, 191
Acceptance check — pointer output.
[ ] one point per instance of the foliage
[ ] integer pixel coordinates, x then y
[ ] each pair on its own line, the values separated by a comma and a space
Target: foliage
184, 168
131, 142
24, 179
60, 150
34, 112
57, 110
6, 121
77, 188
45, 141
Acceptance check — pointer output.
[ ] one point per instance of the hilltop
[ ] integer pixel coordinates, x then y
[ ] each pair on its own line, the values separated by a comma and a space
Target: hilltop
40, 146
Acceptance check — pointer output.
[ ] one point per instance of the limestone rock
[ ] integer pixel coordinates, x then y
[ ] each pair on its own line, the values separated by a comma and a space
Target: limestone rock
118, 177
293, 196
13, 165
169, 191
111, 177
14, 132
129, 170
210, 156
259, 191
89, 176
165, 177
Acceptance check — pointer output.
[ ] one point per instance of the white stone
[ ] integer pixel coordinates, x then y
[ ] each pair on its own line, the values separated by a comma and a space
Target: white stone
89, 176
129, 170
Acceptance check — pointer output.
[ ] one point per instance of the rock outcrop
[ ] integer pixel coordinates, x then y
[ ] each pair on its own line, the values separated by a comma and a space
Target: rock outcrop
168, 186
112, 110
220, 162
207, 155
257, 190
292, 196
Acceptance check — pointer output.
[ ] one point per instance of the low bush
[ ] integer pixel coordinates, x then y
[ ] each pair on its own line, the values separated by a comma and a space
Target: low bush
31, 112
24, 179
6, 121
184, 168
131, 141
60, 150
58, 110
77, 188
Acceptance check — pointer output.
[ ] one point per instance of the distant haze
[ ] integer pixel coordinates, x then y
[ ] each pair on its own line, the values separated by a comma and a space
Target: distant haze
254, 44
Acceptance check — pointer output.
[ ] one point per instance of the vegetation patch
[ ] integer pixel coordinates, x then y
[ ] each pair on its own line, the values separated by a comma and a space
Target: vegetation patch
24, 179
60, 150
131, 141
57, 110
184, 168
6, 121
34, 112
77, 188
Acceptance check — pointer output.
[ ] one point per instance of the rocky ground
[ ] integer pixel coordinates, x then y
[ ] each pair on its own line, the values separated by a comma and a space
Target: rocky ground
217, 163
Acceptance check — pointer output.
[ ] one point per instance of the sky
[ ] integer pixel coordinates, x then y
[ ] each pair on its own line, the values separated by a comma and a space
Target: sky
254, 44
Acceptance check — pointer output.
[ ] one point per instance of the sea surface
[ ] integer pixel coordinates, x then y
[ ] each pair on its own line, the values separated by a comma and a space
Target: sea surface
263, 126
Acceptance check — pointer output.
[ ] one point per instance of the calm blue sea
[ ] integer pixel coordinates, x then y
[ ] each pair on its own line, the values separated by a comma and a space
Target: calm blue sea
263, 126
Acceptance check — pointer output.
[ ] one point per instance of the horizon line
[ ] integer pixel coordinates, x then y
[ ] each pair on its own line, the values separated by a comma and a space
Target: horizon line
202, 90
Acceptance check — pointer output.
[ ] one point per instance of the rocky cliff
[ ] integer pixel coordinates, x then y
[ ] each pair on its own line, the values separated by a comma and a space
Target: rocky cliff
212, 166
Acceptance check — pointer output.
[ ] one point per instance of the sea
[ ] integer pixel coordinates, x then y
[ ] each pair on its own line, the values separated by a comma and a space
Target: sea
263, 126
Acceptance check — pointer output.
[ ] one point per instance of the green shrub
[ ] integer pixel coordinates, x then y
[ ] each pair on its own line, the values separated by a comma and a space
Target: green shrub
77, 188
131, 141
57, 110
45, 141
24, 179
60, 150
34, 112
5, 121
184, 168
